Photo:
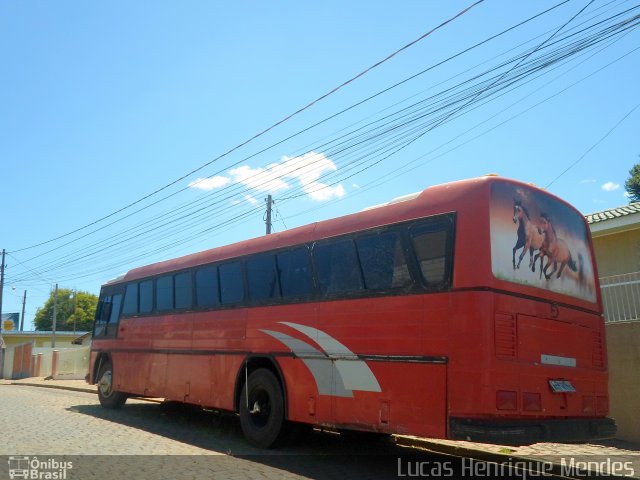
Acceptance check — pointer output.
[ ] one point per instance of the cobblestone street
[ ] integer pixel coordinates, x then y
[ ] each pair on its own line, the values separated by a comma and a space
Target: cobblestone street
145, 440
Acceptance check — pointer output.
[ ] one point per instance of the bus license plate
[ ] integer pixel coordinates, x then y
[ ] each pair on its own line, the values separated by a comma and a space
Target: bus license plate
562, 386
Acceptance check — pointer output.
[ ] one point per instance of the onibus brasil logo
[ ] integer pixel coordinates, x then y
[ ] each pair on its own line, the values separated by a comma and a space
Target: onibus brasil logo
36, 469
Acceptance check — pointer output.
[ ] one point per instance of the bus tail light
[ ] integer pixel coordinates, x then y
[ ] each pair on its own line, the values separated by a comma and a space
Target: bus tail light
506, 400
588, 404
602, 405
531, 402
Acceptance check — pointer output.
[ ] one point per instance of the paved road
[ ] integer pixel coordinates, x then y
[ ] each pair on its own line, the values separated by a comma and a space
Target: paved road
145, 440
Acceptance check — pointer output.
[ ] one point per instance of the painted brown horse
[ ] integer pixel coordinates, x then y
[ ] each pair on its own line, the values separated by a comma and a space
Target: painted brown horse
529, 235
555, 248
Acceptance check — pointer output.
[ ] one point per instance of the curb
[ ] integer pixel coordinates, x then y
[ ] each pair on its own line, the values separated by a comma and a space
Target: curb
77, 389
57, 387
454, 450
494, 457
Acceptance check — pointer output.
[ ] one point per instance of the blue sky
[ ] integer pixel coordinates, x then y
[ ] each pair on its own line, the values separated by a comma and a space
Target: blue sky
104, 103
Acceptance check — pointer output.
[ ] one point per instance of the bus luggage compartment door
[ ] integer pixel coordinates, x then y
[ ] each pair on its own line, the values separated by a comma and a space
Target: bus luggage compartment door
411, 399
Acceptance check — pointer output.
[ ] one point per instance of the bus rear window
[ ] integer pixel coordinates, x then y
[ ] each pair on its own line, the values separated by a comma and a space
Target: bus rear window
538, 241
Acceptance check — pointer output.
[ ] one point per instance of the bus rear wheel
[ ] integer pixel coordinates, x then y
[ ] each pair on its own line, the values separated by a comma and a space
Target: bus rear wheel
107, 396
262, 409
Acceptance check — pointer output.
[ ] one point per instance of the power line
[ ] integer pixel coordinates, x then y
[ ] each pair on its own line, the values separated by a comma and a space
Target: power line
594, 145
385, 150
318, 123
266, 130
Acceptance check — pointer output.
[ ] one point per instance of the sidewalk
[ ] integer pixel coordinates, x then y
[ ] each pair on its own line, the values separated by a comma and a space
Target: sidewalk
614, 455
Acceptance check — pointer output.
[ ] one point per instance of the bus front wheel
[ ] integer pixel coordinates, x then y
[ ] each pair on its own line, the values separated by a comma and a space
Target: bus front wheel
108, 397
262, 409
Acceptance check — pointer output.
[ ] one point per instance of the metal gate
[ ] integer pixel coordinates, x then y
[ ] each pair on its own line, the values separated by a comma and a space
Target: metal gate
22, 361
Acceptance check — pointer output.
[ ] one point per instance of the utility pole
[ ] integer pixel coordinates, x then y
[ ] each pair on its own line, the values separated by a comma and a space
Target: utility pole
270, 202
1, 340
24, 302
55, 316
1, 288
75, 305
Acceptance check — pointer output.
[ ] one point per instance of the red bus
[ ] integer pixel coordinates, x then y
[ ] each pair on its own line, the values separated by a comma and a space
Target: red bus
470, 311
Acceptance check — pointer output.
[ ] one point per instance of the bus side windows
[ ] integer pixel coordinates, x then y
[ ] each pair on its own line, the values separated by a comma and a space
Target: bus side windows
207, 291
130, 306
102, 316
164, 293
114, 316
231, 283
183, 290
383, 261
262, 277
337, 267
294, 268
146, 296
431, 245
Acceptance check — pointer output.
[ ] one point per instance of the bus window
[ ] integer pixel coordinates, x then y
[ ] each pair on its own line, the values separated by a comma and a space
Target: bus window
207, 294
231, 284
383, 261
430, 244
337, 267
295, 273
130, 306
108, 314
102, 316
262, 278
115, 313
146, 296
184, 292
164, 293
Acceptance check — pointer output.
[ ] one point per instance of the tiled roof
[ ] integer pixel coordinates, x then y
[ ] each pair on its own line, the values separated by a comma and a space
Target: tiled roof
613, 213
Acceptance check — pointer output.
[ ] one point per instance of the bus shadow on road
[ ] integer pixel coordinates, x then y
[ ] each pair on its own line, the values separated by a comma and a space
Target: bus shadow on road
319, 455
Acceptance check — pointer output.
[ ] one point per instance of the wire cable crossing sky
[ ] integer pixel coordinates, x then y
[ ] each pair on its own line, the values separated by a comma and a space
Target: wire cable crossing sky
94, 120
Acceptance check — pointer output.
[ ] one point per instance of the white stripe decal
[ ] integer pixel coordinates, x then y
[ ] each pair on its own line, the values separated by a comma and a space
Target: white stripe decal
355, 373
322, 369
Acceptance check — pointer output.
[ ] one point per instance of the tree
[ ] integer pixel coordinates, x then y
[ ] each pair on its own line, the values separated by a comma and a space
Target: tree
632, 185
79, 308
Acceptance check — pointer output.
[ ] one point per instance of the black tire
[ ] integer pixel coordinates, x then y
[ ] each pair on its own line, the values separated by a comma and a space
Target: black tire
108, 397
263, 421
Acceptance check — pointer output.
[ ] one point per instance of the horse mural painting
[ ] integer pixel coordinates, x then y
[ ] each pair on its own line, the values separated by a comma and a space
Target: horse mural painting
562, 254
557, 250
529, 235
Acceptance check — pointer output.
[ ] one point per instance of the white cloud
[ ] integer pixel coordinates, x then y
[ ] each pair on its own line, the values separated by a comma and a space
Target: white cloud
260, 179
251, 200
610, 187
321, 192
210, 183
306, 169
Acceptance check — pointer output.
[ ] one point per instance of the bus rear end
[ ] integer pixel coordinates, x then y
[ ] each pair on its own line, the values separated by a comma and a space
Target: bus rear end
528, 353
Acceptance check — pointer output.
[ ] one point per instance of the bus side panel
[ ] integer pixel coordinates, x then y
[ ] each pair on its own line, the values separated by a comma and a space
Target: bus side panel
157, 375
136, 372
224, 369
179, 374
412, 401
304, 403
211, 380
120, 366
